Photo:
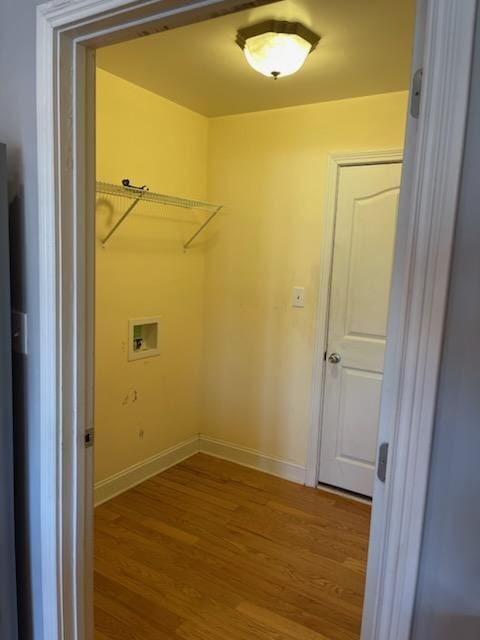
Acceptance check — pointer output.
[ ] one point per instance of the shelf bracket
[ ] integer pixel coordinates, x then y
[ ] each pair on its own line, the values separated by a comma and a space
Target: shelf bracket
200, 229
121, 220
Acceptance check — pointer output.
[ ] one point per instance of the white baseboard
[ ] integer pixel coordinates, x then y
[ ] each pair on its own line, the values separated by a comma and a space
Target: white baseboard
253, 459
137, 473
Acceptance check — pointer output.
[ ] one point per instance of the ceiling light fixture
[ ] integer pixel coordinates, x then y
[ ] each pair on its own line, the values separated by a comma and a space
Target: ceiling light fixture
277, 48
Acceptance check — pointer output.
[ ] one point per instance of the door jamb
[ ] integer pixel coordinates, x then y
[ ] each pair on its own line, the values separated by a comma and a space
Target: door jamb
63, 29
335, 162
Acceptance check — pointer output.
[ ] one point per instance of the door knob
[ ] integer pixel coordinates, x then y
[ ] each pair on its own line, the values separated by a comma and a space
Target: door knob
334, 358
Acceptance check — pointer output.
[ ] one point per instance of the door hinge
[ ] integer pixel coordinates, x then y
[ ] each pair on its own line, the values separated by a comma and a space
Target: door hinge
382, 461
416, 93
89, 437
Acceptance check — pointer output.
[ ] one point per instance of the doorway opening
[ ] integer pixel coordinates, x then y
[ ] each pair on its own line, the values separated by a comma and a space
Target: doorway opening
66, 149
239, 219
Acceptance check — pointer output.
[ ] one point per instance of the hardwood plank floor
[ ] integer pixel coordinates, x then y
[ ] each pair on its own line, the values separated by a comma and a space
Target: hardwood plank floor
210, 550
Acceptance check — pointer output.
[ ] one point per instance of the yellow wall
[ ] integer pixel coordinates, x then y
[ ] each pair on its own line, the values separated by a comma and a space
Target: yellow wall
145, 406
236, 359
269, 169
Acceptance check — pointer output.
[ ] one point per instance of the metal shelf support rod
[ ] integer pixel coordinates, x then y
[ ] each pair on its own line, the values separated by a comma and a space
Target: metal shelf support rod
120, 220
200, 229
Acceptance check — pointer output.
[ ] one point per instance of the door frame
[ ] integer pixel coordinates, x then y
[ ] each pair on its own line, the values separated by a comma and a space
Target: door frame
335, 162
68, 31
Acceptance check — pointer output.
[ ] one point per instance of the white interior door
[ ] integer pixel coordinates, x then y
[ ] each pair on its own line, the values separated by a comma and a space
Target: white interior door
365, 222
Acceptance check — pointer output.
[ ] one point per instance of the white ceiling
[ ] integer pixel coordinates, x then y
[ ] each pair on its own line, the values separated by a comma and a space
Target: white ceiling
365, 49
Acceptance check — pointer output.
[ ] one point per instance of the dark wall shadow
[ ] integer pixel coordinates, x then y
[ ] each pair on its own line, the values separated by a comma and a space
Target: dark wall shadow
20, 429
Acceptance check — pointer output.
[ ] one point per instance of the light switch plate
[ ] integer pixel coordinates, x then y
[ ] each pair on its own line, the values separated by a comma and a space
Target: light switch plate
298, 297
19, 332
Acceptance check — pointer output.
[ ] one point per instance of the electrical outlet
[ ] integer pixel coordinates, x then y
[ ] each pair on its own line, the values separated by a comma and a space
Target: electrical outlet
298, 297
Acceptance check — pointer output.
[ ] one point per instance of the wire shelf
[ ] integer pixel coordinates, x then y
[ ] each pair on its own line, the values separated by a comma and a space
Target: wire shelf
142, 194
150, 196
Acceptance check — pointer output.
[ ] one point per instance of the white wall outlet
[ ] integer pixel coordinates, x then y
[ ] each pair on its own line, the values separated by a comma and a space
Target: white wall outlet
298, 297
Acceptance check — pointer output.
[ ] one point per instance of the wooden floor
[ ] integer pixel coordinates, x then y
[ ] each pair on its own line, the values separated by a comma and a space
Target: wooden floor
209, 550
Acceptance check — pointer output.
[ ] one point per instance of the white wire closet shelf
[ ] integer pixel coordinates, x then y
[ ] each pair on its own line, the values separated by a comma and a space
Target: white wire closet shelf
142, 194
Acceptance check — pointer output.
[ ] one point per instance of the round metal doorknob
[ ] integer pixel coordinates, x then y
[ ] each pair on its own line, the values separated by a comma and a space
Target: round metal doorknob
334, 358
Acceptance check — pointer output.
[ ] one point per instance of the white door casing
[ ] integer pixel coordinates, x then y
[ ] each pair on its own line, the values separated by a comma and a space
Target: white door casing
365, 221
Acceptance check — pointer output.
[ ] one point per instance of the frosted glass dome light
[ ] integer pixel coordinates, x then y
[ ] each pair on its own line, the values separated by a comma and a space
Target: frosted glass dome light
277, 48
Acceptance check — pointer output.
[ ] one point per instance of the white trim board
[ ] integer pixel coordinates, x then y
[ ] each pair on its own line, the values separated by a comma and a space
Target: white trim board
334, 163
66, 155
251, 458
137, 473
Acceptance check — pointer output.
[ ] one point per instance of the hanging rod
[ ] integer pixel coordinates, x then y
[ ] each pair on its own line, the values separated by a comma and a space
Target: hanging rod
137, 194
